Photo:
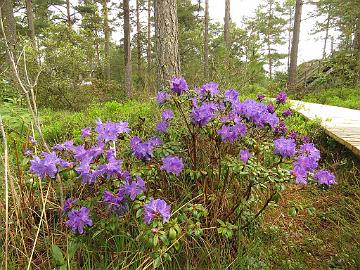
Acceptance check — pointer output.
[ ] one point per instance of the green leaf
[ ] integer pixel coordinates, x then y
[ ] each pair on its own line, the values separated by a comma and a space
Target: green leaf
292, 212
57, 255
157, 262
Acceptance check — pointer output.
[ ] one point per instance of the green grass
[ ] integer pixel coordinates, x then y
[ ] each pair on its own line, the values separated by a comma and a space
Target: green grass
343, 97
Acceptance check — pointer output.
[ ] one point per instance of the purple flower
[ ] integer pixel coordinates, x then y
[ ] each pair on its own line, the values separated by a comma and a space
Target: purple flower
156, 208
231, 133
231, 95
324, 177
178, 85
68, 204
167, 114
280, 129
65, 164
162, 97
78, 219
287, 113
135, 188
270, 107
260, 97
284, 147
309, 150
210, 88
32, 140
245, 155
112, 168
281, 97
305, 139
300, 175
293, 135
66, 146
203, 114
85, 132
144, 150
46, 166
162, 126
115, 202
172, 164
109, 131
308, 163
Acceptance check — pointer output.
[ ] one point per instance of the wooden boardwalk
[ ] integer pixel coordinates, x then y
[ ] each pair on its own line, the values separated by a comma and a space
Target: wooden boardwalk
342, 124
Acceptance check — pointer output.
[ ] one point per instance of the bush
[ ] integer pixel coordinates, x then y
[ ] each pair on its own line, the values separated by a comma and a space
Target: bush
205, 173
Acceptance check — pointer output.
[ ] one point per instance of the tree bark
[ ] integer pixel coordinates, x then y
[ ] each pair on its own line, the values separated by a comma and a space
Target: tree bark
289, 38
227, 23
270, 60
127, 49
107, 40
7, 15
295, 46
206, 41
326, 34
68, 14
357, 51
168, 58
148, 51
30, 20
138, 40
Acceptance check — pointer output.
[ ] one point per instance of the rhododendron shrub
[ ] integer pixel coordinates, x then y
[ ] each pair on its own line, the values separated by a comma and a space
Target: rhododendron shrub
210, 166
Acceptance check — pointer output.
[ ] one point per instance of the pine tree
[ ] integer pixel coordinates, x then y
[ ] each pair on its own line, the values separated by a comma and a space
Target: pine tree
127, 49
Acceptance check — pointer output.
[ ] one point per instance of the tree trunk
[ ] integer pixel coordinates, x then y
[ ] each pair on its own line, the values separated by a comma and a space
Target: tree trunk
295, 46
68, 14
148, 51
206, 41
289, 39
270, 61
30, 20
326, 34
107, 40
138, 40
168, 58
127, 49
227, 23
7, 16
357, 51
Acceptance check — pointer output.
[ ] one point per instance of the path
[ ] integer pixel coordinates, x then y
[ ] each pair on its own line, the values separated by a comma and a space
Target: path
342, 124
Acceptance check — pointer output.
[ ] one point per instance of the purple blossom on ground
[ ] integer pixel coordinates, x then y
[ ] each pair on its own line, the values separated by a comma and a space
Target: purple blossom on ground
281, 97
270, 107
110, 131
287, 113
260, 97
46, 166
162, 126
231, 95
324, 177
156, 208
300, 175
245, 155
78, 219
162, 97
203, 114
167, 114
135, 188
68, 204
284, 147
178, 85
86, 132
310, 150
172, 164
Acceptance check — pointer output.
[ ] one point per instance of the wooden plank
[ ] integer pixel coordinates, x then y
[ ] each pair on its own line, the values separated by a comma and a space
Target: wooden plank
342, 124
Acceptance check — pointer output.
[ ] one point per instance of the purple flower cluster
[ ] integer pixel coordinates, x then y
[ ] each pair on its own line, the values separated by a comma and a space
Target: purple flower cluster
172, 164
280, 129
203, 114
144, 150
156, 208
78, 219
110, 131
287, 113
231, 133
281, 97
284, 147
162, 97
163, 125
210, 89
245, 155
324, 177
231, 96
46, 166
178, 85
68, 204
